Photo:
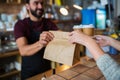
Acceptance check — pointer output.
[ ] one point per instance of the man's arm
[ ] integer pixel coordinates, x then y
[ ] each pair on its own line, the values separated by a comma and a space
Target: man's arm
27, 50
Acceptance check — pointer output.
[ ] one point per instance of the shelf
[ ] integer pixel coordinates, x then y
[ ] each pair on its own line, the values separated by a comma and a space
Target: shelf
12, 1
9, 54
11, 73
99, 31
66, 21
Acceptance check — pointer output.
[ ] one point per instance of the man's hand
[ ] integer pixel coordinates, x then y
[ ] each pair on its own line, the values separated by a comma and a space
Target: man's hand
45, 38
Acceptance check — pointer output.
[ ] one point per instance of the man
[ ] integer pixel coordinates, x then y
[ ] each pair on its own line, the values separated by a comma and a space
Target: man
32, 36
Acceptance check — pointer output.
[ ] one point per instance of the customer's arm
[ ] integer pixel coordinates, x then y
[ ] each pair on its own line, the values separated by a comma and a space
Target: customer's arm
27, 50
109, 67
81, 38
106, 64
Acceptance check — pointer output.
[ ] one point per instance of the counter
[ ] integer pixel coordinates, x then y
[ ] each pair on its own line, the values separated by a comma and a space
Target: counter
86, 69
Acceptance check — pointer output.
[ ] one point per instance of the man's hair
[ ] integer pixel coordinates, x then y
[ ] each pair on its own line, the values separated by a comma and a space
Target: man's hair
27, 1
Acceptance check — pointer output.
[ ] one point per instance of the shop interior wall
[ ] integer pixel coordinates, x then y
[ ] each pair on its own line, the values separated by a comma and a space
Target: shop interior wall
10, 8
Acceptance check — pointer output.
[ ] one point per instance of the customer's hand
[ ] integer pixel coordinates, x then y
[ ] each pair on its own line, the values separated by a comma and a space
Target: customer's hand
78, 37
45, 38
103, 40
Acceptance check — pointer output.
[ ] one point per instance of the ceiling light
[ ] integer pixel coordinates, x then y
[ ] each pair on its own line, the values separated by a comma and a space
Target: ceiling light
78, 7
64, 11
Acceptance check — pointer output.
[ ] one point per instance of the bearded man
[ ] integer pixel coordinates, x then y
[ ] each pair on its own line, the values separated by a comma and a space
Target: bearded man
32, 35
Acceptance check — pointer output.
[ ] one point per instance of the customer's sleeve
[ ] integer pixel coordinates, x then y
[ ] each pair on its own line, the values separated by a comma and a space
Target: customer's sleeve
109, 67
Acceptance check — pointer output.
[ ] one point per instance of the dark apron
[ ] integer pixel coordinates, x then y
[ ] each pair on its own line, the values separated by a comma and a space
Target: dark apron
35, 64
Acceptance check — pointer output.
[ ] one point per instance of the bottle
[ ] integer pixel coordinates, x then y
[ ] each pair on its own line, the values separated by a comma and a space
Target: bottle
48, 11
113, 34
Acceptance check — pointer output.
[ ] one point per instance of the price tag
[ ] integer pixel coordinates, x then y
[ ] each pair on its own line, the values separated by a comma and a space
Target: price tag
104, 2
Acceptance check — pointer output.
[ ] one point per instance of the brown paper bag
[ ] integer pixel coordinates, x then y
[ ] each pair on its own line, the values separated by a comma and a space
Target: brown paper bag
61, 51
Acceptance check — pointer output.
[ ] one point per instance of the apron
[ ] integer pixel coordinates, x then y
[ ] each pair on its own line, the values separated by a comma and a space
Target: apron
35, 64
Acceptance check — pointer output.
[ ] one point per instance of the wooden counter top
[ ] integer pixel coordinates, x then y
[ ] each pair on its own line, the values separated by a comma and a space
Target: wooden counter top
84, 70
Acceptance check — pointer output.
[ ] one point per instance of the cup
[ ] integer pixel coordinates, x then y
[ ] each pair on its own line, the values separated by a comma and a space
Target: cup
88, 29
77, 28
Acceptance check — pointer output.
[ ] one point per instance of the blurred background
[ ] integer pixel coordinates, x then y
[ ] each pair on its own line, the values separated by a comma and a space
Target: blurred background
103, 14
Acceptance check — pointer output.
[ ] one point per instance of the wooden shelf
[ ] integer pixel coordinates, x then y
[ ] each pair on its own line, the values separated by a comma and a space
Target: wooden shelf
12, 2
11, 73
99, 31
9, 54
66, 21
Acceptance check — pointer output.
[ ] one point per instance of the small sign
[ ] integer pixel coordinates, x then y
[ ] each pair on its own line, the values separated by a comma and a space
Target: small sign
104, 2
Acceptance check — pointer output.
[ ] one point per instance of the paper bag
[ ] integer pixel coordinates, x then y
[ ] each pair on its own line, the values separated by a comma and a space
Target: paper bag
61, 50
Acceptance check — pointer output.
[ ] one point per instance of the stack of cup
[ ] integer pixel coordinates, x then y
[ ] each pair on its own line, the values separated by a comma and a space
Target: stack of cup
81, 48
77, 27
88, 30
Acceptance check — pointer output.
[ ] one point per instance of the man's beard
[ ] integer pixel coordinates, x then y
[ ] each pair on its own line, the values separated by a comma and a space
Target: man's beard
35, 14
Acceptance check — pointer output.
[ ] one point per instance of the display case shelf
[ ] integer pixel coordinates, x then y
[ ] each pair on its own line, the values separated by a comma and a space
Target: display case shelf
11, 73
9, 54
